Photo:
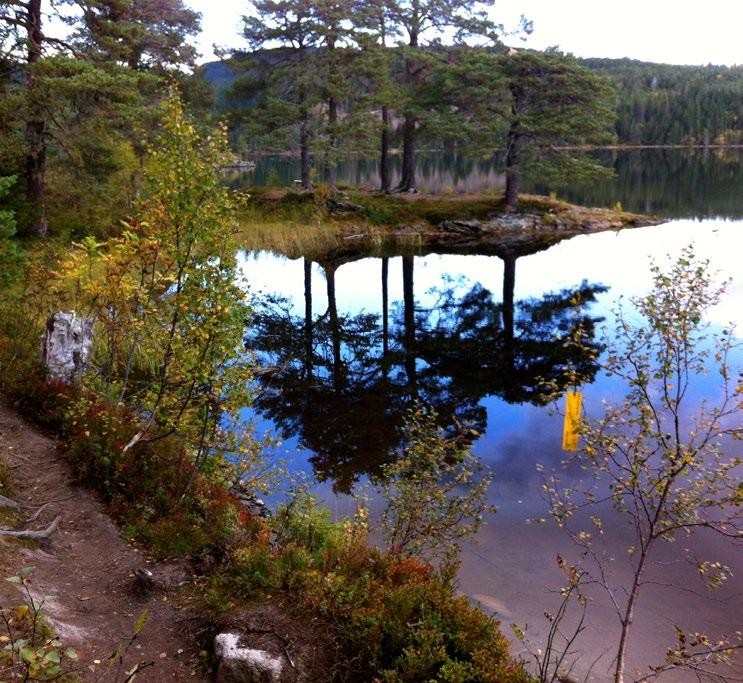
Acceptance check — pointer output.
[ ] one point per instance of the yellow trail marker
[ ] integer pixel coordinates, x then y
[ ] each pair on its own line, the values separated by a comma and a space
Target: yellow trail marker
572, 418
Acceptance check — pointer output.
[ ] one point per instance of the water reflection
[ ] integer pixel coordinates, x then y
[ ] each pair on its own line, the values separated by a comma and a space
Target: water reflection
457, 313
342, 382
668, 182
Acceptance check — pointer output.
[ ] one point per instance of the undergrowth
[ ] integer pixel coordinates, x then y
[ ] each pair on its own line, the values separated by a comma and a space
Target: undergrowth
390, 617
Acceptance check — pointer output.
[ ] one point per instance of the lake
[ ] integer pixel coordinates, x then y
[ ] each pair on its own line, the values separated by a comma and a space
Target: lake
486, 342
670, 182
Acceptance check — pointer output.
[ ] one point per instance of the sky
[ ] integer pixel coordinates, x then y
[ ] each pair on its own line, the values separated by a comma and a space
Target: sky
668, 31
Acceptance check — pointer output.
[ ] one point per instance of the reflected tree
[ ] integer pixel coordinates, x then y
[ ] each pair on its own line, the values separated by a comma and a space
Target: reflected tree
342, 383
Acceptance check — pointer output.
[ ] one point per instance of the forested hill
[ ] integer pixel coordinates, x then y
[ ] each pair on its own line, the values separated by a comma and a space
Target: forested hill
664, 104
658, 104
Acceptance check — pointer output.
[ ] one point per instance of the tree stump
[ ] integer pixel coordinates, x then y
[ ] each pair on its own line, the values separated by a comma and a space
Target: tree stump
65, 346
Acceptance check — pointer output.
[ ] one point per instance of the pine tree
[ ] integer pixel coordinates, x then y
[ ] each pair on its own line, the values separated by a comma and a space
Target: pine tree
416, 20
552, 103
287, 76
141, 34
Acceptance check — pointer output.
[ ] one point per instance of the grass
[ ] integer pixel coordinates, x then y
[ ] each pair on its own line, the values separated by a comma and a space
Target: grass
298, 223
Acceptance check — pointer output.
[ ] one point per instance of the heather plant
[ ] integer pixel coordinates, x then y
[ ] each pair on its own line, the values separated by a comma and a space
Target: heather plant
389, 617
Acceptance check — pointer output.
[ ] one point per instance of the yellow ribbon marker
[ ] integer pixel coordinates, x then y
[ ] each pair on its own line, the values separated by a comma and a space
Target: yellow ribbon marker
572, 418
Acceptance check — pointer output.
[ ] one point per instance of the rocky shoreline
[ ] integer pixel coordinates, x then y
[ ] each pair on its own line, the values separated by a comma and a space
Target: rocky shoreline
504, 233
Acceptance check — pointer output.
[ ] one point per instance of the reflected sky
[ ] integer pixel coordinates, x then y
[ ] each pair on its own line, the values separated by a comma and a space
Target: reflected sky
619, 260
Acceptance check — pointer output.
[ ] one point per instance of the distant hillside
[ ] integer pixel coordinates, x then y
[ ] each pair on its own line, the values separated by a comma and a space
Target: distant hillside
223, 75
219, 74
657, 104
663, 104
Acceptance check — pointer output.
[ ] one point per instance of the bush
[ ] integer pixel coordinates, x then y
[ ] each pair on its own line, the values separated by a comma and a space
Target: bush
394, 618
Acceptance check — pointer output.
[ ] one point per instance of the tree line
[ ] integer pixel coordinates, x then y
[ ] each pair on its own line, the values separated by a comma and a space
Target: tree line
326, 77
664, 104
323, 78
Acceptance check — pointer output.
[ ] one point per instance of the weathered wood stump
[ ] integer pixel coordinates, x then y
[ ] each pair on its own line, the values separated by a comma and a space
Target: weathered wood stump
65, 346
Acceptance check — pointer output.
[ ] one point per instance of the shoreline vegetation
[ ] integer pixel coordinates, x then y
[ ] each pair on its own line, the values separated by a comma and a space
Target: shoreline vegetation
152, 426
114, 214
353, 222
621, 146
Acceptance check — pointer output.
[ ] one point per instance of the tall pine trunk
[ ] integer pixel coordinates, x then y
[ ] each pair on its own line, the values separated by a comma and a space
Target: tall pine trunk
384, 153
36, 125
512, 168
330, 162
513, 152
407, 180
304, 152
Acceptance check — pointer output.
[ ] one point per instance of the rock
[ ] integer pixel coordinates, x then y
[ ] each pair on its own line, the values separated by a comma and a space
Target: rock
65, 345
244, 665
342, 207
463, 227
144, 581
255, 506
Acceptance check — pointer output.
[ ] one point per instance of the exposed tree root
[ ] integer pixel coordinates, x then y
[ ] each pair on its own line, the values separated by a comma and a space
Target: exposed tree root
8, 503
39, 535
36, 514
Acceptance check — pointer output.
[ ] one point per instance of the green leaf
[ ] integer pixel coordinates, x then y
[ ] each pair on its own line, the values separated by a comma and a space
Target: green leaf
52, 656
141, 621
53, 670
27, 655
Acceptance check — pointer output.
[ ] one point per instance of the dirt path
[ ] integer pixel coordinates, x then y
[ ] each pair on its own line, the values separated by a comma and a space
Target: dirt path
90, 569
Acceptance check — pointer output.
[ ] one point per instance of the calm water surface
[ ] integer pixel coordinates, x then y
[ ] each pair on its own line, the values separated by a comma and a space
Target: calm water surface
669, 182
358, 342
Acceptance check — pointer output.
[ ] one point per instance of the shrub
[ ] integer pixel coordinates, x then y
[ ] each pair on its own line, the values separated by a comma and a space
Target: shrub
391, 617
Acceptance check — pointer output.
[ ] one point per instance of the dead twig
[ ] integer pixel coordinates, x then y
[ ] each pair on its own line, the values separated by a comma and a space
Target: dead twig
18, 456
289, 659
36, 514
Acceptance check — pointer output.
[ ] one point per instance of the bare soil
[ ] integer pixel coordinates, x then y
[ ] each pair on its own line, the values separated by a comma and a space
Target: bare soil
91, 570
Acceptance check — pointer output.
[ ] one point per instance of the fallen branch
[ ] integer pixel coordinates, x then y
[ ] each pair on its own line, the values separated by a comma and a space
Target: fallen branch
39, 535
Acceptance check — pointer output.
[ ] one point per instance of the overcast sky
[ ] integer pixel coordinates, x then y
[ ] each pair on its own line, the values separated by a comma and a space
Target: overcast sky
670, 31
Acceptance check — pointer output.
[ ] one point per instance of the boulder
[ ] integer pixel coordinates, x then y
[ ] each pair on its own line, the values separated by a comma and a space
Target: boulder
65, 345
242, 664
